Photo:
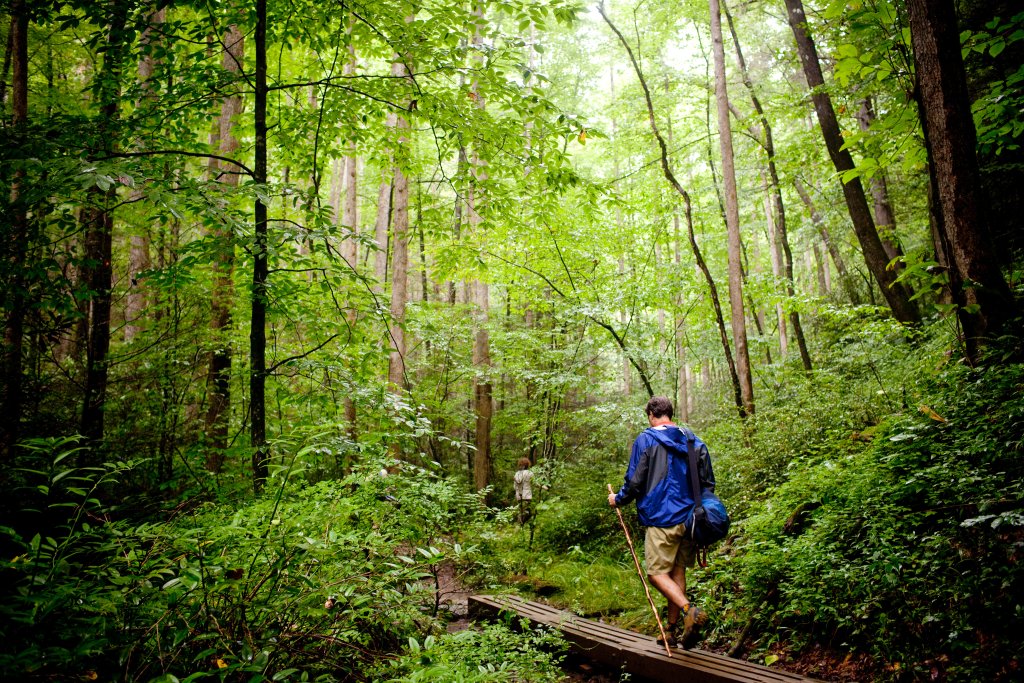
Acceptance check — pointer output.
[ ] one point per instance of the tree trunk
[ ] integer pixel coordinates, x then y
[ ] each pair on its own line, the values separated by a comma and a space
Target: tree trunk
17, 11
775, 252
976, 279
260, 270
98, 240
782, 230
683, 399
821, 270
137, 298
837, 258
400, 257
732, 216
218, 381
380, 257
482, 394
895, 295
12, 405
350, 225
885, 219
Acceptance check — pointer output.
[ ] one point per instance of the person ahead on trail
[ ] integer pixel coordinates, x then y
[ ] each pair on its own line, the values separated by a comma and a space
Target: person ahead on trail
523, 482
657, 479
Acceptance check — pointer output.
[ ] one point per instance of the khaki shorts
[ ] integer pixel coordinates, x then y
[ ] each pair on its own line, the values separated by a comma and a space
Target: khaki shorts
667, 548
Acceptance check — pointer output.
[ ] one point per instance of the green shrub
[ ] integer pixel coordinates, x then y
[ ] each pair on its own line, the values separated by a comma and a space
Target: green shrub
908, 547
490, 654
305, 581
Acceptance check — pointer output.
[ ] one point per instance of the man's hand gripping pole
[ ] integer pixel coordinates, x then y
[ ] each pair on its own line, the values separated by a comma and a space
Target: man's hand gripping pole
640, 573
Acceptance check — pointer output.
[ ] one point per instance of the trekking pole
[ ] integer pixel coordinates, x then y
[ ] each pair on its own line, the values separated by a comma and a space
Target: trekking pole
640, 573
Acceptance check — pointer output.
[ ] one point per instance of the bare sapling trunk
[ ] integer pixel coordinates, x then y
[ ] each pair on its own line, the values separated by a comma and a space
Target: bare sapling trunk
383, 220
775, 254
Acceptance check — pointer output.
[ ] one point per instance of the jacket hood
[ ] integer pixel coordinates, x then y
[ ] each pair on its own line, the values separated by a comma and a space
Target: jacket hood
669, 436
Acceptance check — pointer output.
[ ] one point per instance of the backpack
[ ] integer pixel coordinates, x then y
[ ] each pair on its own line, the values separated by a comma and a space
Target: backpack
709, 522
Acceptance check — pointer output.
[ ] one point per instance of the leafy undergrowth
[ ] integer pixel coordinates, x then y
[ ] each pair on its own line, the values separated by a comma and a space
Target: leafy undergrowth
883, 541
907, 547
335, 581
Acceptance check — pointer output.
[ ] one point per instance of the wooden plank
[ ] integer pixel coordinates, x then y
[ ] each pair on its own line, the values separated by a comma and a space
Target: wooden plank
638, 654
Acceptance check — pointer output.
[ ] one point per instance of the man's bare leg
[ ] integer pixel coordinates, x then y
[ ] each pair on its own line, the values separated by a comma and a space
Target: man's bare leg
673, 587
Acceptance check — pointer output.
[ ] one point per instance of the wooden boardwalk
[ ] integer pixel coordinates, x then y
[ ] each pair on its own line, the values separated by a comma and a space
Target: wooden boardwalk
637, 654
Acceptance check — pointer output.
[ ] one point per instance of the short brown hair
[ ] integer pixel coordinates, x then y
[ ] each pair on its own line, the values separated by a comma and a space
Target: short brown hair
659, 406
524, 463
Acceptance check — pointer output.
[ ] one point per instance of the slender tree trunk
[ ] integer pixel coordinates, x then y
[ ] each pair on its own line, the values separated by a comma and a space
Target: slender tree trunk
12, 405
137, 298
679, 327
821, 269
260, 271
380, 257
732, 216
688, 213
99, 225
782, 230
837, 258
400, 259
775, 254
482, 394
627, 375
885, 219
350, 222
218, 380
17, 11
976, 279
350, 212
874, 253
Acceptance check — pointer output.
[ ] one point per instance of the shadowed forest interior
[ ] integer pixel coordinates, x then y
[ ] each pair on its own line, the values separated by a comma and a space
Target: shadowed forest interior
290, 289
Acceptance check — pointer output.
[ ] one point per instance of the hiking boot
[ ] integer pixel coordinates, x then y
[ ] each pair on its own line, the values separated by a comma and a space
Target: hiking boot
693, 621
670, 634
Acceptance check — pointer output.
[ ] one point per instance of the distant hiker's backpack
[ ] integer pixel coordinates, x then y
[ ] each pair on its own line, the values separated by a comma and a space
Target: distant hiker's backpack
710, 521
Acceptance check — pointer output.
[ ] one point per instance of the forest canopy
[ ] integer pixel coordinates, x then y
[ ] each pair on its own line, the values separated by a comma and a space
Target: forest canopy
289, 288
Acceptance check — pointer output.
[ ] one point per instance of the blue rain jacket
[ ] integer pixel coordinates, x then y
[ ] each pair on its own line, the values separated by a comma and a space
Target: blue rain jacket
657, 476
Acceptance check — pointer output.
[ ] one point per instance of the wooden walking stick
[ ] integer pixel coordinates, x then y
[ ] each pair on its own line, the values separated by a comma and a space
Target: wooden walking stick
640, 573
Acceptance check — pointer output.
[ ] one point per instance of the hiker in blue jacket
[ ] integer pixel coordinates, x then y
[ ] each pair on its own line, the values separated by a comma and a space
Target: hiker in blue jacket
657, 480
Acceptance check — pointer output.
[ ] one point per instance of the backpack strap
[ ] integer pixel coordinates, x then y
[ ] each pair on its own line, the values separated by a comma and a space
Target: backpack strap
691, 454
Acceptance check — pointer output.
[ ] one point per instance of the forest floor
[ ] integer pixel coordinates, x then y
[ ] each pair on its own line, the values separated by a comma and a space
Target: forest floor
817, 662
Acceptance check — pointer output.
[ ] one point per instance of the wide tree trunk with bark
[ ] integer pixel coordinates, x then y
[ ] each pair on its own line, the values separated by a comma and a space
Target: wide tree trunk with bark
875, 257
218, 382
137, 298
482, 388
15, 301
400, 253
98, 224
976, 279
